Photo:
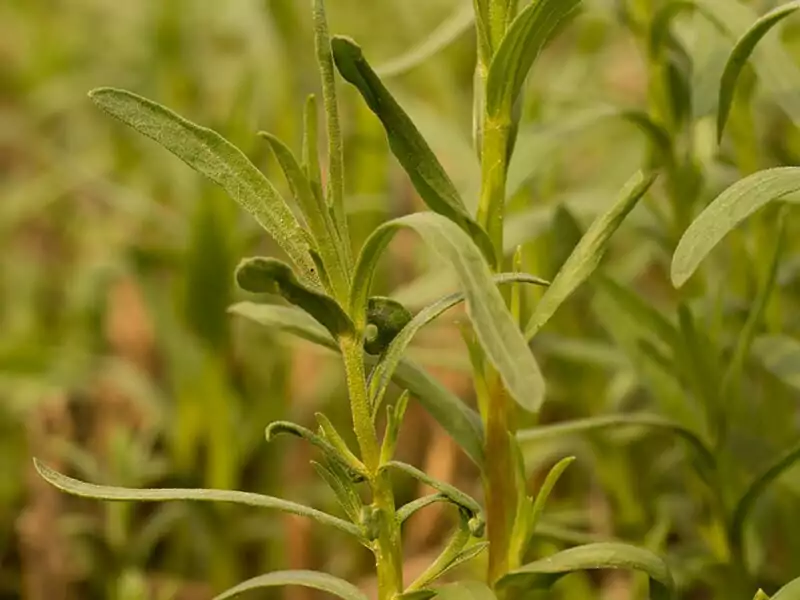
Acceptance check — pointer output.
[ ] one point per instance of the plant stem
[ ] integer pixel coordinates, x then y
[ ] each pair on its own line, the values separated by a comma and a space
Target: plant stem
387, 548
494, 169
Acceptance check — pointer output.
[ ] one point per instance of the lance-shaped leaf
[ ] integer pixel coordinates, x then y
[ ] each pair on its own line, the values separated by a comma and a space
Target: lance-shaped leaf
497, 332
261, 275
586, 256
413, 507
780, 355
412, 151
522, 43
309, 579
455, 417
741, 53
105, 492
466, 590
725, 212
212, 155
345, 459
541, 574
748, 501
384, 370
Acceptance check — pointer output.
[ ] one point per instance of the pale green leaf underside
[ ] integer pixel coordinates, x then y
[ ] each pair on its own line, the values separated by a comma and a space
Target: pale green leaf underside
725, 212
455, 417
309, 579
606, 555
466, 590
113, 493
496, 330
780, 355
586, 256
739, 56
791, 591
382, 374
213, 156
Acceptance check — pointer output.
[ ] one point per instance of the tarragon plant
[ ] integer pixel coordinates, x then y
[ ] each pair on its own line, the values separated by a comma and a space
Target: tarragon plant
328, 291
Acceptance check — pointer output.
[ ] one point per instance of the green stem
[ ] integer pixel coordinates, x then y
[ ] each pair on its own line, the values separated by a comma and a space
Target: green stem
494, 170
387, 547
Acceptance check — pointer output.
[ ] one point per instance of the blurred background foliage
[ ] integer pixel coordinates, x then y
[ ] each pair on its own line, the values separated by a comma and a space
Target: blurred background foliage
120, 364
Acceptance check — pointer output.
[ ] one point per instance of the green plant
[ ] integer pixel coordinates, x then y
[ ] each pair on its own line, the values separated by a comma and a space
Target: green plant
332, 305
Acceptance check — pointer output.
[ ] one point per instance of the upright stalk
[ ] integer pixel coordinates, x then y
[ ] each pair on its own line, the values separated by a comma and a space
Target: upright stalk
387, 545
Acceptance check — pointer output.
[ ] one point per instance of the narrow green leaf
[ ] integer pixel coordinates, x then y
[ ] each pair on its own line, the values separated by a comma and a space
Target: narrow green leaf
761, 595
332, 436
455, 417
346, 460
309, 579
454, 495
416, 595
442, 562
500, 337
384, 370
725, 212
212, 155
791, 591
445, 34
317, 217
394, 419
577, 426
413, 507
261, 275
335, 195
780, 355
543, 573
547, 488
466, 590
741, 53
104, 492
341, 487
310, 155
587, 254
522, 43
754, 492
412, 151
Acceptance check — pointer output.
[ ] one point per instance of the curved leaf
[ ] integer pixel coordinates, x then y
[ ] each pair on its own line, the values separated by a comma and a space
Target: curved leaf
495, 327
105, 492
741, 53
592, 423
529, 32
586, 256
606, 555
450, 30
382, 374
791, 591
426, 173
407, 510
748, 501
212, 155
310, 579
456, 418
725, 212
262, 275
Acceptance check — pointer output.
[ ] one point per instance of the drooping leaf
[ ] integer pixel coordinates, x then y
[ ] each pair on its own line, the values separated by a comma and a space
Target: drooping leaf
500, 337
577, 426
587, 254
384, 370
747, 502
541, 574
212, 155
791, 591
457, 24
725, 212
261, 275
345, 459
309, 579
466, 590
522, 43
456, 496
455, 417
741, 53
407, 510
428, 176
780, 355
104, 492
